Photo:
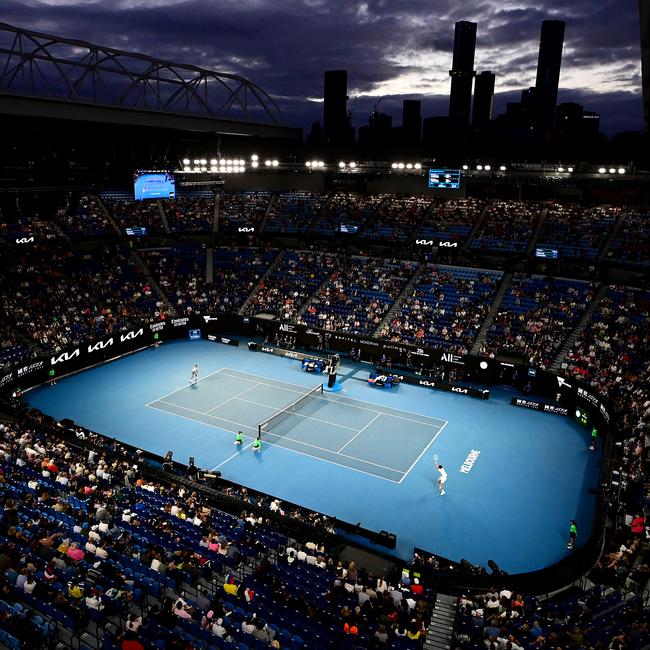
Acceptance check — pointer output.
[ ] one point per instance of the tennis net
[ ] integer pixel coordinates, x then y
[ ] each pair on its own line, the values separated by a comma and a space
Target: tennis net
288, 411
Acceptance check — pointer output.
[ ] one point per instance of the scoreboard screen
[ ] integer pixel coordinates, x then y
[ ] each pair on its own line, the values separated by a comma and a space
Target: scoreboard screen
446, 179
153, 185
546, 253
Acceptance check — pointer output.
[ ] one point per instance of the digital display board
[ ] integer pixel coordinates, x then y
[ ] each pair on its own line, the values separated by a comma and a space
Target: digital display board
136, 231
348, 228
446, 179
153, 185
546, 253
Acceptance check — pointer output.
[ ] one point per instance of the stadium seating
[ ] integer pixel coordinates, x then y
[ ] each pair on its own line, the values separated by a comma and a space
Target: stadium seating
450, 220
191, 212
359, 295
292, 213
445, 309
631, 245
535, 317
507, 227
351, 210
84, 218
129, 213
242, 210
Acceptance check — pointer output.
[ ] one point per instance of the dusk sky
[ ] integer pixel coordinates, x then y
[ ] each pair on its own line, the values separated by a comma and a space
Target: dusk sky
393, 49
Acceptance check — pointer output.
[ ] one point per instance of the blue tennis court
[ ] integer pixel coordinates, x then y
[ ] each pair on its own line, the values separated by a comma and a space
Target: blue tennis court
333, 428
363, 454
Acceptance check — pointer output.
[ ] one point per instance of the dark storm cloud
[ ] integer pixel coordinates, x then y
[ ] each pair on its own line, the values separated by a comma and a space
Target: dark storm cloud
394, 48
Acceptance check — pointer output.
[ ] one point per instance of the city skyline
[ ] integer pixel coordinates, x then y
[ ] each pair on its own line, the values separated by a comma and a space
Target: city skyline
393, 50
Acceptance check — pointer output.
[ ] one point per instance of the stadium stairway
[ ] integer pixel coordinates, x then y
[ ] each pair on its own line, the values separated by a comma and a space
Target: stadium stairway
317, 291
209, 265
398, 301
256, 288
536, 230
215, 213
610, 238
441, 627
267, 213
475, 229
139, 262
582, 323
494, 309
163, 216
107, 214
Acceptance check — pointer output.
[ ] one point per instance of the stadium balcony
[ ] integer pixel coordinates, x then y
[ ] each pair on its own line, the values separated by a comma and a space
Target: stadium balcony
536, 316
191, 212
290, 283
507, 227
242, 210
445, 308
293, 213
577, 232
359, 296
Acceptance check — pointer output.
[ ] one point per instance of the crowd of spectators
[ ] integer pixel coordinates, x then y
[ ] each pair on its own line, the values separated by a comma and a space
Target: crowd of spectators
192, 212
445, 309
349, 209
133, 214
57, 296
450, 220
631, 244
291, 281
242, 210
293, 213
593, 618
83, 217
359, 295
575, 231
507, 227
396, 218
535, 317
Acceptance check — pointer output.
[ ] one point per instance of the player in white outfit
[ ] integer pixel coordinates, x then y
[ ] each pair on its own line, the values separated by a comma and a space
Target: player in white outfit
195, 374
442, 479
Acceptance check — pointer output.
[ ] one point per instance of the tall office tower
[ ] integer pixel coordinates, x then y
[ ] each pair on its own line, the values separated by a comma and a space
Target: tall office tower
483, 99
462, 75
335, 116
644, 15
548, 76
411, 121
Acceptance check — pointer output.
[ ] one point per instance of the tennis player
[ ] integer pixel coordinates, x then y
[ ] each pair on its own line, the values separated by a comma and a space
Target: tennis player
195, 374
442, 479
257, 444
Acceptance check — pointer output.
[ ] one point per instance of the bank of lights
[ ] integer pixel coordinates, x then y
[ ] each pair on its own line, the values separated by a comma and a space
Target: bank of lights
350, 165
271, 163
315, 164
565, 169
407, 166
611, 170
215, 166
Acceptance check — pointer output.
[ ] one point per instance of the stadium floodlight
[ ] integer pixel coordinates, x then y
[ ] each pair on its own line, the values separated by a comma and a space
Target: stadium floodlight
601, 170
393, 166
308, 163
560, 169
267, 163
342, 165
612, 170
621, 170
418, 166
321, 164
187, 169
204, 161
255, 164
197, 169
569, 169
255, 157
479, 168
502, 168
353, 165
487, 168
204, 169
400, 165
213, 161
241, 162
186, 161
197, 161
465, 167
275, 163
409, 165
214, 169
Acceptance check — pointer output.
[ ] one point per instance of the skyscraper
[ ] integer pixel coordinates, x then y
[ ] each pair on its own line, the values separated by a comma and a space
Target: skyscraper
548, 76
462, 75
483, 99
335, 115
644, 15
411, 121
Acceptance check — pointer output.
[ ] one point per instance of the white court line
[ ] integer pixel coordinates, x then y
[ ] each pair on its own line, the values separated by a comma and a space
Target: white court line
308, 417
216, 372
214, 417
336, 401
232, 398
237, 453
295, 451
423, 451
353, 437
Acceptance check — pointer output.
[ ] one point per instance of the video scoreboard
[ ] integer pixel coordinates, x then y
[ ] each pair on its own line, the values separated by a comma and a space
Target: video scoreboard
444, 179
